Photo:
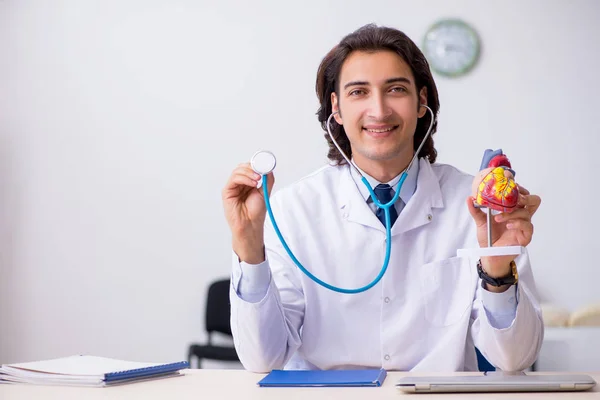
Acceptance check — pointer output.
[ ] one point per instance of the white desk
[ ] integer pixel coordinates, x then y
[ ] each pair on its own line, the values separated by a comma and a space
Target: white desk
239, 384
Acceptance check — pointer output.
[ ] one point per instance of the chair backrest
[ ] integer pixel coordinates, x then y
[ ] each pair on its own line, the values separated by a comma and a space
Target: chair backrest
218, 309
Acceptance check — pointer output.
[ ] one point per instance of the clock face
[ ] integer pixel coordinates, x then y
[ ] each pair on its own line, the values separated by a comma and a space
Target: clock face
451, 47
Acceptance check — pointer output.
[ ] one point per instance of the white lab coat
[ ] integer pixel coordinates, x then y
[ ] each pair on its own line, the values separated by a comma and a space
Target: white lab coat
425, 314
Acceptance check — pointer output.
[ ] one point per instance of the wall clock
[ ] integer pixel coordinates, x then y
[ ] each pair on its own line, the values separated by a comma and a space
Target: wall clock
452, 47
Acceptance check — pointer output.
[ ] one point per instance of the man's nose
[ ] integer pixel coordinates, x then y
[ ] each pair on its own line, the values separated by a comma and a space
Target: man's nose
378, 107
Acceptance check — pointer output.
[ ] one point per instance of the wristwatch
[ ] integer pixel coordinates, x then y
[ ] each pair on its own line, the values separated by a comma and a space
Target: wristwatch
509, 279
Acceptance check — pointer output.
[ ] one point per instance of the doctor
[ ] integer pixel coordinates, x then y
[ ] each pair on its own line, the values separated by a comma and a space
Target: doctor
431, 308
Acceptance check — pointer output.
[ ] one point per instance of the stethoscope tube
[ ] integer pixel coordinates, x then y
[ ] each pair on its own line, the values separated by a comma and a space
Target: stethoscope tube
386, 208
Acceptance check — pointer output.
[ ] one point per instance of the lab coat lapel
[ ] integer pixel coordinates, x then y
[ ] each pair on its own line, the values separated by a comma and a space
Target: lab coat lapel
416, 213
419, 210
353, 206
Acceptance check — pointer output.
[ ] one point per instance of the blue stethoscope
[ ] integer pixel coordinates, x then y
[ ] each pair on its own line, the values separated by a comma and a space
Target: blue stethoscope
263, 162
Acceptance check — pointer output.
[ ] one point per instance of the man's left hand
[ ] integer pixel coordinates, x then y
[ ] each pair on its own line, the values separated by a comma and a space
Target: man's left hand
508, 229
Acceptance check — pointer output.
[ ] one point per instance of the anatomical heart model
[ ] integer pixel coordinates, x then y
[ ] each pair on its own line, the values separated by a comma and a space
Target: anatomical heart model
494, 188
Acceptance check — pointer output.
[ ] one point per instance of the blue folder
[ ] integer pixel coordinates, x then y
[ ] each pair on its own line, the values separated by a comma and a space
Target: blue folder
354, 377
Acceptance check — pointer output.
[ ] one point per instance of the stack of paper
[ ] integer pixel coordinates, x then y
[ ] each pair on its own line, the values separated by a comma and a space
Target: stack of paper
87, 371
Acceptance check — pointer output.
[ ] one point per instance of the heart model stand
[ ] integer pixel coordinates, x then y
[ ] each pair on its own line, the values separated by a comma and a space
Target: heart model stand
494, 188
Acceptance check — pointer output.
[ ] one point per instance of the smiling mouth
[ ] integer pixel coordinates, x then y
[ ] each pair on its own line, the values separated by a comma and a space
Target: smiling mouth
380, 131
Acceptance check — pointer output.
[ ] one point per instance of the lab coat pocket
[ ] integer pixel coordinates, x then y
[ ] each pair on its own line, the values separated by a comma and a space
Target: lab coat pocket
446, 289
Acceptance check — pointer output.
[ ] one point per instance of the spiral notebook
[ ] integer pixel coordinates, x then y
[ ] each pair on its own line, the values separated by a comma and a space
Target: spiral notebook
88, 371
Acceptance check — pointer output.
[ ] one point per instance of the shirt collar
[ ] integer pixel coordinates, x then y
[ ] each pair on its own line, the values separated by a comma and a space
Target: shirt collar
408, 188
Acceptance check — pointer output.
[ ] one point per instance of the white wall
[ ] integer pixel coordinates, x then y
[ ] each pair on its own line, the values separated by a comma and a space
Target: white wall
121, 120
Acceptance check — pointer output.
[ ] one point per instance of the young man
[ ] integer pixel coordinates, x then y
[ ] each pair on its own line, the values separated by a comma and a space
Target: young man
431, 309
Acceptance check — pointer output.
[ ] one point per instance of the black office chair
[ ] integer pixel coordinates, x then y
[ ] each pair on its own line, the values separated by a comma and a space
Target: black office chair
218, 312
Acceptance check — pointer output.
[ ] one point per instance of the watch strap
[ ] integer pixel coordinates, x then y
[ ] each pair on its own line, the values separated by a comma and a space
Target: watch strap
509, 279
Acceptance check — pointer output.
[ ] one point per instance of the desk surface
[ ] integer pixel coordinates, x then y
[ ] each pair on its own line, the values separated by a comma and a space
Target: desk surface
239, 384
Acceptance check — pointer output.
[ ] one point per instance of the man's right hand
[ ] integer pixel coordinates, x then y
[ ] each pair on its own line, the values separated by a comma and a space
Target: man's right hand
245, 212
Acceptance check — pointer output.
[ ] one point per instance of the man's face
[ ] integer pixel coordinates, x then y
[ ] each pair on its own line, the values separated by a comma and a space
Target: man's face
378, 105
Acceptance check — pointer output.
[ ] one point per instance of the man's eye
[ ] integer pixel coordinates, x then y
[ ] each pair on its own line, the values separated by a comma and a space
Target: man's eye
398, 89
357, 92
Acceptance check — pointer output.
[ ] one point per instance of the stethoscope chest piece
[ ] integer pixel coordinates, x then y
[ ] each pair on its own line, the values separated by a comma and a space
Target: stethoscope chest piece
263, 162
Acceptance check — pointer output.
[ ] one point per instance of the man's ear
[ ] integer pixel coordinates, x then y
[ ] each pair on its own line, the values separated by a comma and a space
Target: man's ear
335, 107
422, 100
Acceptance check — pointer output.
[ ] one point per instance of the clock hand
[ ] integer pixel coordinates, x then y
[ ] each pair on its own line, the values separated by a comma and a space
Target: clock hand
450, 47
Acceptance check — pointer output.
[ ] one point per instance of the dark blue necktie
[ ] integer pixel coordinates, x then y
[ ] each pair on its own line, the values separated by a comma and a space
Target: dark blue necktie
384, 193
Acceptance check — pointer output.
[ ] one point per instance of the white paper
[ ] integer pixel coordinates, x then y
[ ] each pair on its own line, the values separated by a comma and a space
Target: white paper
72, 368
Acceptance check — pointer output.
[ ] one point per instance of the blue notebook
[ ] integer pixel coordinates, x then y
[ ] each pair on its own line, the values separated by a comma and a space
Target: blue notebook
354, 377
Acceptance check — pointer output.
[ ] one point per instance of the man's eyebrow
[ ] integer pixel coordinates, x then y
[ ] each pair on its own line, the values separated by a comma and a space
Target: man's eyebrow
388, 81
355, 83
398, 79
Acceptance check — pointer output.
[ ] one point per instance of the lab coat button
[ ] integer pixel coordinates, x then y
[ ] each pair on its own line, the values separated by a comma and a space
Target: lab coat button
387, 357
387, 299
429, 217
